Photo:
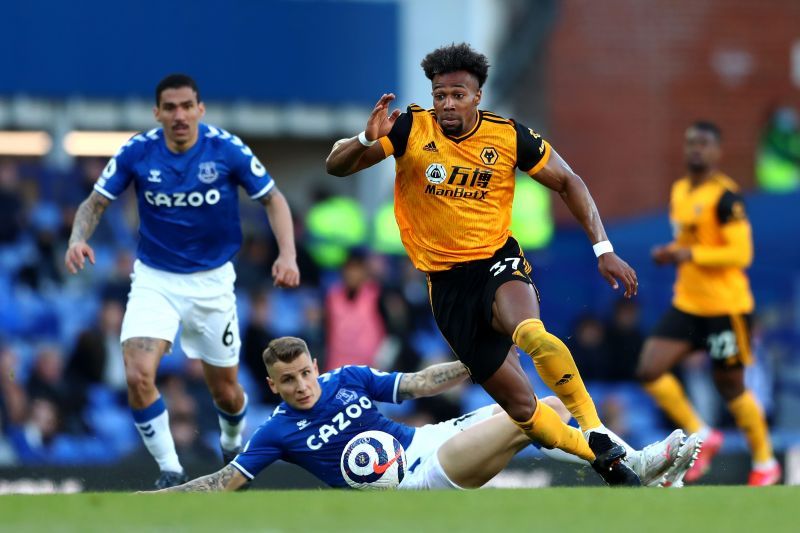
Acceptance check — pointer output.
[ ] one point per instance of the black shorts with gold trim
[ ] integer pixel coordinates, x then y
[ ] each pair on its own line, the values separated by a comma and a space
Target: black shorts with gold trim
726, 338
461, 299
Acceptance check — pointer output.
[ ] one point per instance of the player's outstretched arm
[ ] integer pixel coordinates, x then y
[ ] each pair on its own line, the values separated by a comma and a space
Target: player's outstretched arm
558, 176
86, 219
348, 156
285, 272
227, 479
432, 380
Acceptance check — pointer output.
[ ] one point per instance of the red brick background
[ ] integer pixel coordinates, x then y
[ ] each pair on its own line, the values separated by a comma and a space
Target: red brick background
625, 77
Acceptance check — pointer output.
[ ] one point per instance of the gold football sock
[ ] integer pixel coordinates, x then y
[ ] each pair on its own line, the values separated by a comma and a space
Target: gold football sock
557, 369
670, 397
546, 428
750, 418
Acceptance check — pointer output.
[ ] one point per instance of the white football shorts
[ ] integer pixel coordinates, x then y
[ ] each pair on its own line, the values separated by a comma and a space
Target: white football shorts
202, 302
424, 472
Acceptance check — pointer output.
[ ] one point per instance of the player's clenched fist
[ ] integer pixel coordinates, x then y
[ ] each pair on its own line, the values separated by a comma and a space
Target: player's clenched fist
285, 273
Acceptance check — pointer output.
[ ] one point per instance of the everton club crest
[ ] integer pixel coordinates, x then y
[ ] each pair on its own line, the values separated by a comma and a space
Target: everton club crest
208, 172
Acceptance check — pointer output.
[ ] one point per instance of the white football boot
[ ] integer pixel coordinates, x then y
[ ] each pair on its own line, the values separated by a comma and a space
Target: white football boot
654, 461
688, 454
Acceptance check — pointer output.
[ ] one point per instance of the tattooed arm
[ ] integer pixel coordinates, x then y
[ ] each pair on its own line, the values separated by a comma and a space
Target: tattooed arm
284, 269
432, 380
227, 479
86, 219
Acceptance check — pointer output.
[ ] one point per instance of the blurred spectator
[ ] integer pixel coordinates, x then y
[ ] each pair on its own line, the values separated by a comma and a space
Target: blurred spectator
188, 444
397, 353
354, 326
13, 400
334, 224
43, 270
309, 270
97, 356
253, 265
47, 382
11, 203
613, 413
7, 455
778, 156
624, 341
185, 402
588, 347
414, 285
255, 338
32, 442
118, 283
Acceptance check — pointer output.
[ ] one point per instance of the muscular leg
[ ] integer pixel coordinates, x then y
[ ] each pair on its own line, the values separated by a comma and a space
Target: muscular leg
746, 412
513, 392
658, 356
510, 388
516, 313
557, 405
231, 403
474, 456
141, 356
224, 386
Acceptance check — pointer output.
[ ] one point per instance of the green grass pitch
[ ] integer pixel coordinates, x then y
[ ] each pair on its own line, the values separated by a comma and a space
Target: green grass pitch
588, 510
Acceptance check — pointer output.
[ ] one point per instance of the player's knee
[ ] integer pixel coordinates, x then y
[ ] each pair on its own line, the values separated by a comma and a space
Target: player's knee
529, 335
729, 387
519, 407
646, 374
227, 397
532, 337
140, 381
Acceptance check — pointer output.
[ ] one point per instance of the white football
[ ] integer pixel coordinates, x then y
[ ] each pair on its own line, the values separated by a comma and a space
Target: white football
373, 460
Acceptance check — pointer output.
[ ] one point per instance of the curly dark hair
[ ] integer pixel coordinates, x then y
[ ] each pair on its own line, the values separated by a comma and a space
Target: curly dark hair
456, 57
709, 127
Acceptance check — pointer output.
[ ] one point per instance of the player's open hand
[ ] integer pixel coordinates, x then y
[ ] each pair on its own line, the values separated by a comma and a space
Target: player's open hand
285, 272
613, 268
380, 122
74, 258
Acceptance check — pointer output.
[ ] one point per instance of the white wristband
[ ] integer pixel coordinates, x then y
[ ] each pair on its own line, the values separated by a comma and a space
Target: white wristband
362, 138
602, 247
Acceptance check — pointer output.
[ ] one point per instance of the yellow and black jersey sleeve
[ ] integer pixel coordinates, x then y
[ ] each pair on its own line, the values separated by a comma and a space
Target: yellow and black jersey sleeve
736, 249
396, 141
532, 150
730, 208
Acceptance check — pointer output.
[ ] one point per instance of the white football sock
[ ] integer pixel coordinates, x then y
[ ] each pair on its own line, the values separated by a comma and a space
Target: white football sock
231, 426
152, 423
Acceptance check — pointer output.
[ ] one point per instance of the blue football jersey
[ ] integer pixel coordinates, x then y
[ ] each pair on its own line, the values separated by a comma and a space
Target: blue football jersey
189, 202
315, 438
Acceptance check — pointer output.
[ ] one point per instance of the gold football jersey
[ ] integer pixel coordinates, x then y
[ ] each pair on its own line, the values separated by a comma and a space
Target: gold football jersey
453, 195
710, 219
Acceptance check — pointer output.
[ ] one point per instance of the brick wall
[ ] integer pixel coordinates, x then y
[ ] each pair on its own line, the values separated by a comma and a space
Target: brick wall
625, 77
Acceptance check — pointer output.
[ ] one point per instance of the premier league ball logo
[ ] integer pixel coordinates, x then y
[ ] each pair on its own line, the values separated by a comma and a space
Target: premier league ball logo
373, 460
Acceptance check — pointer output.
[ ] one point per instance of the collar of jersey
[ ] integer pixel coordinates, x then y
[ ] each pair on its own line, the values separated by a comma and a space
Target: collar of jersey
202, 129
717, 178
465, 136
